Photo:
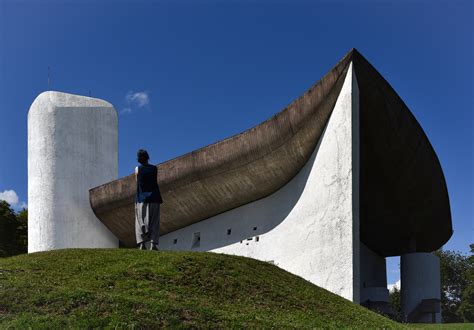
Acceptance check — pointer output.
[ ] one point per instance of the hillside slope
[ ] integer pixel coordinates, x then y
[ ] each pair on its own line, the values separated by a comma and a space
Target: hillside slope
145, 289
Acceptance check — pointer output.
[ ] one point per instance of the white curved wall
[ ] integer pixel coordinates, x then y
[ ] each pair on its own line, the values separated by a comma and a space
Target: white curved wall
72, 147
310, 226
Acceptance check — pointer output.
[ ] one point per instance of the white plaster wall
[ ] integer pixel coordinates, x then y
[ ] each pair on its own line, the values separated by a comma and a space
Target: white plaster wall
420, 279
310, 226
72, 147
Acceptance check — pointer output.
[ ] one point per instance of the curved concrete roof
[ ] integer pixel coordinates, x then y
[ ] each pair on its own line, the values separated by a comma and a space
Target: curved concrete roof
255, 163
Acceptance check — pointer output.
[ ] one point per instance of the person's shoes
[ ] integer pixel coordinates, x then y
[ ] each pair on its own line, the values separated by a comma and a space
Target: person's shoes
153, 246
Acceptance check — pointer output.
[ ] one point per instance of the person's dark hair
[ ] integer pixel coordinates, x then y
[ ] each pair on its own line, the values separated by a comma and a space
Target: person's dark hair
142, 156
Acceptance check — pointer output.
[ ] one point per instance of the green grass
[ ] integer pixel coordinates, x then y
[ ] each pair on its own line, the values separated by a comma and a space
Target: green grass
121, 288
450, 326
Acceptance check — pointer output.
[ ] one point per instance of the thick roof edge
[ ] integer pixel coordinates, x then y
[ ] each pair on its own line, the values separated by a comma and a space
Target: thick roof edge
231, 172
404, 203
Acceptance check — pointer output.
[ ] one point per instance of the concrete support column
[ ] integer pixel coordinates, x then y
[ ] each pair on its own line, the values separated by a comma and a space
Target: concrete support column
420, 277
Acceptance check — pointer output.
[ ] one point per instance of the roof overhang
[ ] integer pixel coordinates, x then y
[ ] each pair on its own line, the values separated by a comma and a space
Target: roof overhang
403, 195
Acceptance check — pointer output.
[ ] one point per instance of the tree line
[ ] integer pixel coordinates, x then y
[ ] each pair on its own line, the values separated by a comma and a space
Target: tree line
13, 230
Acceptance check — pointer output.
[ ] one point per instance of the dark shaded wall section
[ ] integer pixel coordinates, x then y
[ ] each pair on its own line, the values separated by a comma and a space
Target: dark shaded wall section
404, 202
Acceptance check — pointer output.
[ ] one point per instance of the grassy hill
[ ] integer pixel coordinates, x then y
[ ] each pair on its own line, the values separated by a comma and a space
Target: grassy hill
145, 289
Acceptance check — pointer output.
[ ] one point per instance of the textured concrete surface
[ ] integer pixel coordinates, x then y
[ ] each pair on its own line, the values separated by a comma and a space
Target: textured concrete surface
72, 147
310, 226
403, 195
420, 279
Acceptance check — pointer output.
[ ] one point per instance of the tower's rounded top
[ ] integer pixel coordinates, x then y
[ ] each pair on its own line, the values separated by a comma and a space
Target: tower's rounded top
55, 99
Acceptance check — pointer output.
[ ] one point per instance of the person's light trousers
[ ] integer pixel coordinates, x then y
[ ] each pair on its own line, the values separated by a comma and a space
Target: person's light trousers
147, 222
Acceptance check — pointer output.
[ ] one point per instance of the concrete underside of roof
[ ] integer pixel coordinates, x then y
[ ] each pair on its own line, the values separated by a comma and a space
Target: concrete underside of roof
404, 203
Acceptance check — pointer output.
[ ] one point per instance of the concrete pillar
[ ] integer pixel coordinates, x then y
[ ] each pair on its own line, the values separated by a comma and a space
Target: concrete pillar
373, 269
373, 281
72, 147
420, 280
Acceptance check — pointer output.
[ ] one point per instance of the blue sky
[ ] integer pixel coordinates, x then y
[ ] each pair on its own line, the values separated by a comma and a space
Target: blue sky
183, 74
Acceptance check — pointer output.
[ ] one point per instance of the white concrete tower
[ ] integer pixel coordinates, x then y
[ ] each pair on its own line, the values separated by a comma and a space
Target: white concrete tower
72, 147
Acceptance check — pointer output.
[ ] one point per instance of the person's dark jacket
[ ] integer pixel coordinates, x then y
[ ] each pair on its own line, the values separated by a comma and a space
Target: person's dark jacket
147, 186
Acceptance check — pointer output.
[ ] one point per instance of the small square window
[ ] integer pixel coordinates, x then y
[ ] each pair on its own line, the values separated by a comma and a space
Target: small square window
229, 231
196, 239
254, 228
175, 241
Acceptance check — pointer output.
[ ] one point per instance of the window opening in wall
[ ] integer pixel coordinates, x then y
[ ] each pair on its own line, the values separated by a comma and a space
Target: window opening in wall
257, 239
229, 231
249, 239
254, 228
196, 239
175, 241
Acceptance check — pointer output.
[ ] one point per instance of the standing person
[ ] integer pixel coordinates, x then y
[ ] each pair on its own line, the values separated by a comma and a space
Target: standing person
147, 203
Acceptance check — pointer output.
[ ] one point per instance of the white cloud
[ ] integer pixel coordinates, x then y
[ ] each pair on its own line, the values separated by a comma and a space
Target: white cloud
136, 100
139, 99
397, 285
11, 197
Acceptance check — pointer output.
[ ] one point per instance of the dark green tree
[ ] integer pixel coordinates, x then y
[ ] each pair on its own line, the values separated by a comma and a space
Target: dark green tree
7, 230
22, 230
466, 307
13, 231
396, 304
454, 268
